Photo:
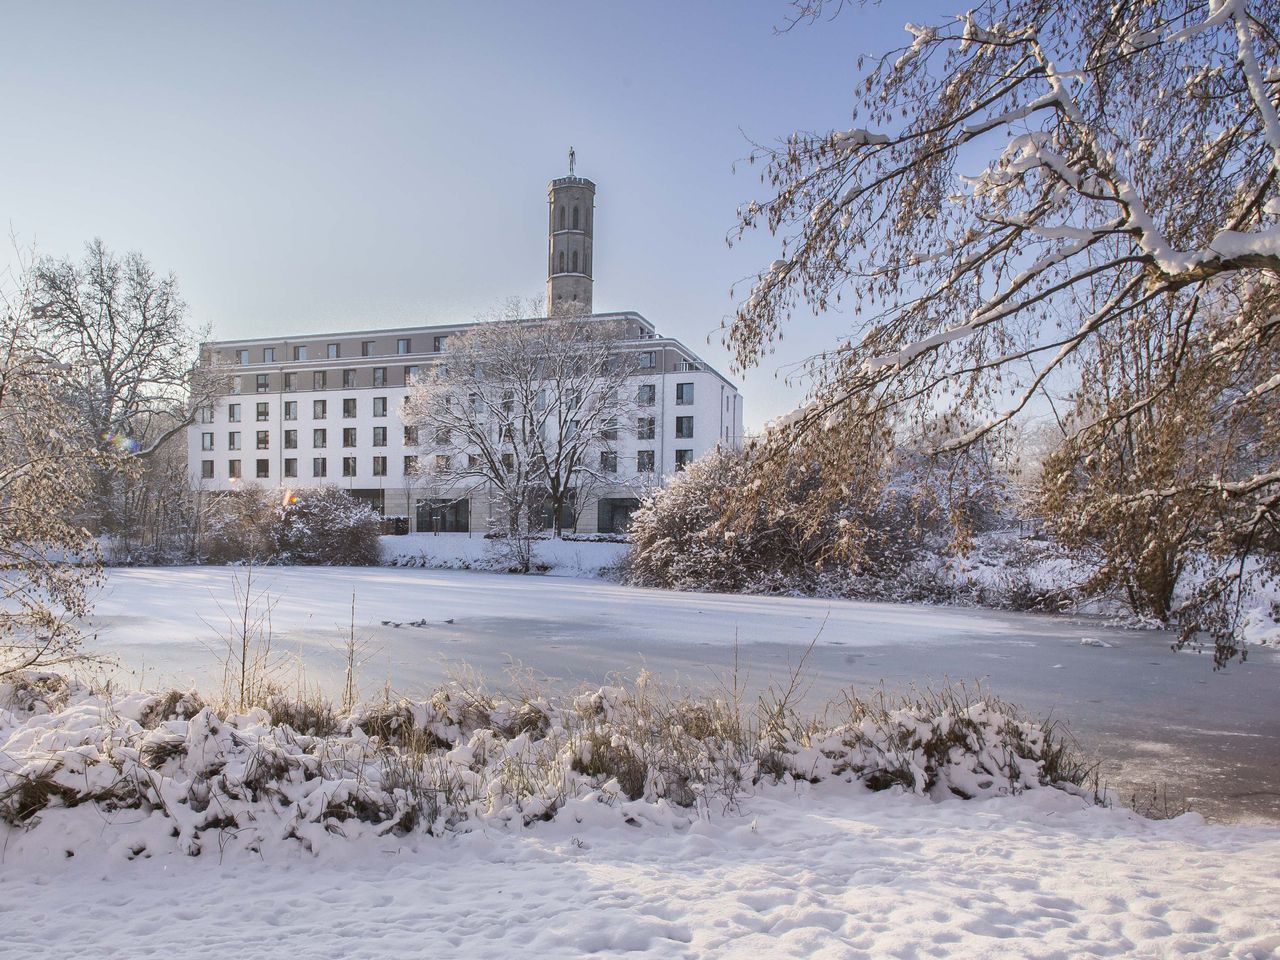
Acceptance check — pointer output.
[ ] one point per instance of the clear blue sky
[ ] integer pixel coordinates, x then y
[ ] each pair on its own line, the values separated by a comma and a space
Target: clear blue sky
317, 166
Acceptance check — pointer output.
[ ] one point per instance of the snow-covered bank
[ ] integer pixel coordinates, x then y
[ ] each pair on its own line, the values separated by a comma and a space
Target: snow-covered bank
293, 858
460, 551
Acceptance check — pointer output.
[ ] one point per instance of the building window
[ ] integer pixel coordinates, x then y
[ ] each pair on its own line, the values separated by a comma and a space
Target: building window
299, 353
291, 439
348, 379
379, 436
264, 439
290, 382
233, 413
264, 469
610, 431
206, 469
379, 406
648, 360
319, 409
319, 467
206, 414
410, 436
608, 461
614, 513
348, 466
644, 461
403, 345
235, 384
260, 384
410, 465
443, 460
268, 354
263, 412
645, 428
242, 357
684, 428
683, 458
291, 409
438, 344
318, 380
319, 438
233, 469
233, 440
349, 407
508, 462
206, 441
684, 394
291, 467
379, 376
410, 374
366, 348
334, 351
379, 466
646, 395
348, 436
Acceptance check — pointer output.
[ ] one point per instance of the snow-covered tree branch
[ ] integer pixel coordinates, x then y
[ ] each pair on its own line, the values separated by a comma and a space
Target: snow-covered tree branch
1027, 182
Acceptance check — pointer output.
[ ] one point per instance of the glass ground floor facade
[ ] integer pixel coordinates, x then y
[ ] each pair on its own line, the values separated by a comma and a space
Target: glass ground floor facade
435, 511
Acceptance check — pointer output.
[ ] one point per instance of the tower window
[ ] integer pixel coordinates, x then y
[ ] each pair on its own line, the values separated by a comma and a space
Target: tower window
562, 261
562, 217
575, 218
575, 261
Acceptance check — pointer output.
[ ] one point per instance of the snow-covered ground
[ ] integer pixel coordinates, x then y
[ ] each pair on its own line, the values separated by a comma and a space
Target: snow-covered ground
1155, 717
824, 872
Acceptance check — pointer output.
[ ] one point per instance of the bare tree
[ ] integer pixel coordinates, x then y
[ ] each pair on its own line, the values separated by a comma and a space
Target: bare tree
528, 408
1033, 173
123, 329
48, 562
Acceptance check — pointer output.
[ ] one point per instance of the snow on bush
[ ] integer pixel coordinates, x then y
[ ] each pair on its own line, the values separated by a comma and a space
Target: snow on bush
168, 771
326, 525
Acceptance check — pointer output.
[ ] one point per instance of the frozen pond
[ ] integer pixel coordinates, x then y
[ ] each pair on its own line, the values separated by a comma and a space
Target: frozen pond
1155, 717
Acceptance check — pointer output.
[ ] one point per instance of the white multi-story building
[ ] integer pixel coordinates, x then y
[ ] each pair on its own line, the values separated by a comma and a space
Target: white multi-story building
324, 409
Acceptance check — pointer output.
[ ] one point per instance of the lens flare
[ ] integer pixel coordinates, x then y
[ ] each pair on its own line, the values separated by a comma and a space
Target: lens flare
120, 443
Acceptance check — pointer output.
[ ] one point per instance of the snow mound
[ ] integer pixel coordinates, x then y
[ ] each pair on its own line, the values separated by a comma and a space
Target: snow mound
144, 773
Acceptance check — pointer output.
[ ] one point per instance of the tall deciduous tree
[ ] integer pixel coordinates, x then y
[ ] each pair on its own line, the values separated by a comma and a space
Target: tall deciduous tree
47, 560
526, 408
1023, 179
123, 329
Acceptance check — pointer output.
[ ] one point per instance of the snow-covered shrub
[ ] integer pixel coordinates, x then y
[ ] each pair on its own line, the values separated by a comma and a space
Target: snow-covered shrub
182, 775
328, 526
241, 527
701, 531
323, 526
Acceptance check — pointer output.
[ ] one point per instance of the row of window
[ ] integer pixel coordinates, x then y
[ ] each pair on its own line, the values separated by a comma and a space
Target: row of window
646, 429
646, 396
333, 351
572, 263
320, 380
442, 464
564, 223
319, 410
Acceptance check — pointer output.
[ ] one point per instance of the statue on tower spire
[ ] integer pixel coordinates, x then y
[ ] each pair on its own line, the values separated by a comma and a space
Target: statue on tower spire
572, 157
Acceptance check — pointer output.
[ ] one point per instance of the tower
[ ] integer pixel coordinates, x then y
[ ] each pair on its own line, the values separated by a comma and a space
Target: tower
570, 223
